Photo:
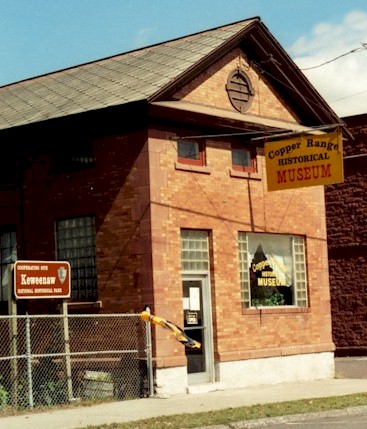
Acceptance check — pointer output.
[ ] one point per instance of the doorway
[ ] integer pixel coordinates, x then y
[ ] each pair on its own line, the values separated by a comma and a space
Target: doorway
198, 326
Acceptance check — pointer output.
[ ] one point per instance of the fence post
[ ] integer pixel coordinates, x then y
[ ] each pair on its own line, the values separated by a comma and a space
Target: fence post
148, 327
67, 350
12, 311
29, 360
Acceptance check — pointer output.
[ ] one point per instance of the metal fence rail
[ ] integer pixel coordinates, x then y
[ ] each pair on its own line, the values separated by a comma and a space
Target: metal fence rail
55, 359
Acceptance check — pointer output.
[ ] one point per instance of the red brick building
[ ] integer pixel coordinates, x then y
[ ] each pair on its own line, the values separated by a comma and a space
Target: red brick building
146, 172
346, 214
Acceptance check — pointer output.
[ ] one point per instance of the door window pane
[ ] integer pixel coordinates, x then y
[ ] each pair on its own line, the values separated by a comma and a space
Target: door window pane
194, 324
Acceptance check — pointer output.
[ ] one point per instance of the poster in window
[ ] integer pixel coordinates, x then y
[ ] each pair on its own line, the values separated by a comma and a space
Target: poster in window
192, 318
194, 298
270, 270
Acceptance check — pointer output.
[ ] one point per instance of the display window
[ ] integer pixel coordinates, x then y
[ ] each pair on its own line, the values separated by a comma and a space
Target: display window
272, 270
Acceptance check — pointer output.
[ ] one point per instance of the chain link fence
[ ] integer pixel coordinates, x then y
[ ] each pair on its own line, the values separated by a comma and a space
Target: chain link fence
56, 359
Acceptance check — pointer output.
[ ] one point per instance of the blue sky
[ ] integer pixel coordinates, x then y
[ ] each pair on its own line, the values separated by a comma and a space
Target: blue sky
41, 36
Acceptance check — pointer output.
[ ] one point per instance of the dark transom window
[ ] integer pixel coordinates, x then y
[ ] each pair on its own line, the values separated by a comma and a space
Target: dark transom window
243, 159
190, 152
73, 156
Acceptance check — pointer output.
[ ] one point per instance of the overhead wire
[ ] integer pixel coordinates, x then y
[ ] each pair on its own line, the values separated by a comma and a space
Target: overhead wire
289, 87
271, 59
363, 48
276, 133
348, 96
212, 202
203, 136
267, 134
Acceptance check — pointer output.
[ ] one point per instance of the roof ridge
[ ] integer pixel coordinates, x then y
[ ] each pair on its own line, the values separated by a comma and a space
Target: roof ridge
150, 73
110, 57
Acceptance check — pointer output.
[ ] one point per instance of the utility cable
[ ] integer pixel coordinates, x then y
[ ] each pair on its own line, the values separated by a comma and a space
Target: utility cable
349, 96
266, 134
363, 48
265, 72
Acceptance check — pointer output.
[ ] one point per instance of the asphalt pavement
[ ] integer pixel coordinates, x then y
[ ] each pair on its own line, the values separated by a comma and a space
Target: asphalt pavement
350, 418
132, 410
351, 367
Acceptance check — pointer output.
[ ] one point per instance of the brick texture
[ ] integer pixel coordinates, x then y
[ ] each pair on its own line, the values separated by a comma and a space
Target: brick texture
224, 205
210, 89
346, 208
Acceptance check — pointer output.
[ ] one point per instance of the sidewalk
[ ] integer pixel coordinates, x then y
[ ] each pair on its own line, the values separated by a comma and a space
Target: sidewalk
123, 411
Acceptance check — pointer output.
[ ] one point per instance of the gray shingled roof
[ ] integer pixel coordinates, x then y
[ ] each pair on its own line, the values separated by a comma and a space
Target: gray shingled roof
125, 78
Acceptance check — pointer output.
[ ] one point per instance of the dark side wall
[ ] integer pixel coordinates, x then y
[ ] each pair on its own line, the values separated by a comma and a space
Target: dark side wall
113, 190
346, 215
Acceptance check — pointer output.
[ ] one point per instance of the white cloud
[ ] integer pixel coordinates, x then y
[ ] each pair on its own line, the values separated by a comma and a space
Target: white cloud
343, 81
144, 37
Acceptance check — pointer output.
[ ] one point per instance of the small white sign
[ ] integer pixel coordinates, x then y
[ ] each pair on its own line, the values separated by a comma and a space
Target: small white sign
195, 298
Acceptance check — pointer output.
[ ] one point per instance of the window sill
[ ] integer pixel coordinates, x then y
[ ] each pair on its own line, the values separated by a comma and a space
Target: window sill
275, 310
194, 168
84, 305
244, 174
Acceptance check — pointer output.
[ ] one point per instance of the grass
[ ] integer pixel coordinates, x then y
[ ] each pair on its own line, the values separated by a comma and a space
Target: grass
230, 415
218, 417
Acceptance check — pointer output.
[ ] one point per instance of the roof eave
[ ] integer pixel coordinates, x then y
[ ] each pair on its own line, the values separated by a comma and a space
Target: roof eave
214, 117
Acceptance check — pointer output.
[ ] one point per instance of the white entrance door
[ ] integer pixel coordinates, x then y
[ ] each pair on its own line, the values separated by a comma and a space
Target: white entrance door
198, 326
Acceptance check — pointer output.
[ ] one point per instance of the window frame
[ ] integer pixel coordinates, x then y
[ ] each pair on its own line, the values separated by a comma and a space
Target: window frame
244, 168
12, 231
201, 161
79, 256
195, 250
299, 286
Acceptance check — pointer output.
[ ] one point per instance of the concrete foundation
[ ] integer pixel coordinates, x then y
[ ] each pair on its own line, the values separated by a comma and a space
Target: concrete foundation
254, 372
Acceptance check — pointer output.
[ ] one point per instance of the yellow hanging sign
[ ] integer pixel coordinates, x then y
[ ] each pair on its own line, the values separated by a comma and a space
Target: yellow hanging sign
309, 160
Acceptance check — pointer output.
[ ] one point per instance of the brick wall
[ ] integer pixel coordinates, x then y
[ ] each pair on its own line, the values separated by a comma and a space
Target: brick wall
116, 192
346, 208
224, 205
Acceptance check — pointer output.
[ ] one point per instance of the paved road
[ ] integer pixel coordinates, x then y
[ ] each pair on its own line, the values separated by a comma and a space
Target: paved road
348, 367
353, 418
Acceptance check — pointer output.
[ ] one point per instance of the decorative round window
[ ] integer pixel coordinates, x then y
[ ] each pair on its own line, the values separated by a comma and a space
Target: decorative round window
240, 90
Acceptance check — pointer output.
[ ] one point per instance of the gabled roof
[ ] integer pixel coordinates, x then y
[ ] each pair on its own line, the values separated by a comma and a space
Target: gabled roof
146, 74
